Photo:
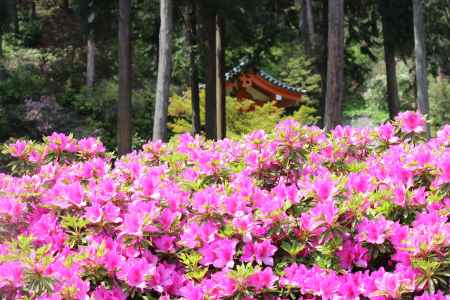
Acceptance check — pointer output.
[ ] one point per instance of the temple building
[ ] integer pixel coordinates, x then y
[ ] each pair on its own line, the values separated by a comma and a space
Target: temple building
248, 82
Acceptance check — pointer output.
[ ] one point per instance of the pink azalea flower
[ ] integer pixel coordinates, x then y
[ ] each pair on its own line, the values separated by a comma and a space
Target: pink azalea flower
18, 148
219, 253
112, 213
94, 213
59, 142
444, 166
352, 253
90, 146
387, 133
324, 188
101, 293
261, 252
359, 182
411, 122
11, 207
165, 243
373, 231
11, 274
135, 272
264, 279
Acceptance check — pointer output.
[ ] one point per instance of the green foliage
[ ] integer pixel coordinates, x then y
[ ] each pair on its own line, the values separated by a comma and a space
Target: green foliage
242, 116
99, 109
439, 102
23, 251
434, 274
191, 259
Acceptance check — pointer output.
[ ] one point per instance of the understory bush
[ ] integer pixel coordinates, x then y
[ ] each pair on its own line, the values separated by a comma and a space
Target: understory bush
295, 214
242, 116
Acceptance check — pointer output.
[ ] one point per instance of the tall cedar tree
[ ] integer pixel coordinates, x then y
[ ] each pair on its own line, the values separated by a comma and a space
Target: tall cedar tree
421, 61
307, 25
124, 105
209, 32
90, 47
389, 59
164, 70
191, 38
335, 65
220, 79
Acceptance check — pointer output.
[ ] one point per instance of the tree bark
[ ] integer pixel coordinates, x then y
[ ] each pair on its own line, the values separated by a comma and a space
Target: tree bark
335, 65
1, 42
191, 37
322, 61
421, 62
390, 63
14, 20
65, 5
33, 10
307, 22
220, 79
90, 65
164, 70
210, 78
91, 48
124, 105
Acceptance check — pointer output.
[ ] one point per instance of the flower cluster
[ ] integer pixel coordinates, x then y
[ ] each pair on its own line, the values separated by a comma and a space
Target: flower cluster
295, 214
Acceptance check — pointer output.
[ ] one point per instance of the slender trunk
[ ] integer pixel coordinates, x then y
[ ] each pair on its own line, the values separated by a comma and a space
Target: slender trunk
441, 76
220, 79
164, 71
65, 5
33, 10
14, 20
421, 62
89, 19
389, 59
307, 25
391, 82
124, 105
335, 65
210, 93
322, 61
90, 66
191, 37
1, 42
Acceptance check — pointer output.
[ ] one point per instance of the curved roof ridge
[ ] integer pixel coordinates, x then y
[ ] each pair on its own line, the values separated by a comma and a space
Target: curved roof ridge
245, 64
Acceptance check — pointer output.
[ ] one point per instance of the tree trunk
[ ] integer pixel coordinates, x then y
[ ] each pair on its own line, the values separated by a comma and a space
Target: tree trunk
421, 62
210, 78
220, 79
164, 70
335, 65
389, 59
33, 10
90, 65
322, 61
307, 22
191, 37
1, 42
124, 105
89, 19
65, 6
14, 20
441, 76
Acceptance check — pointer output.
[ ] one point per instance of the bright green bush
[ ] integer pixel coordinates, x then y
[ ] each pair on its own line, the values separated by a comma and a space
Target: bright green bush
242, 116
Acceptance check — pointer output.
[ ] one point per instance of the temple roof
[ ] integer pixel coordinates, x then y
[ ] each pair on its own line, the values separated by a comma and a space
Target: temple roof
245, 66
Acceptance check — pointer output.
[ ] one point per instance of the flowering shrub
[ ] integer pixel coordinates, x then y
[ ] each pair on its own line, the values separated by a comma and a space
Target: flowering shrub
295, 214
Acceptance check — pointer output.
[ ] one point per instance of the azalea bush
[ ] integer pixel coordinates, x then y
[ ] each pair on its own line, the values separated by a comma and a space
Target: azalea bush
298, 213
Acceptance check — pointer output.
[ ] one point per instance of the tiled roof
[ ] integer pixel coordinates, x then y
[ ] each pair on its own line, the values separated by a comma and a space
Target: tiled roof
244, 66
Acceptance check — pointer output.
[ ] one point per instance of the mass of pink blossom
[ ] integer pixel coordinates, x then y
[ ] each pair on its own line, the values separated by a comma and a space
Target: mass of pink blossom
297, 213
